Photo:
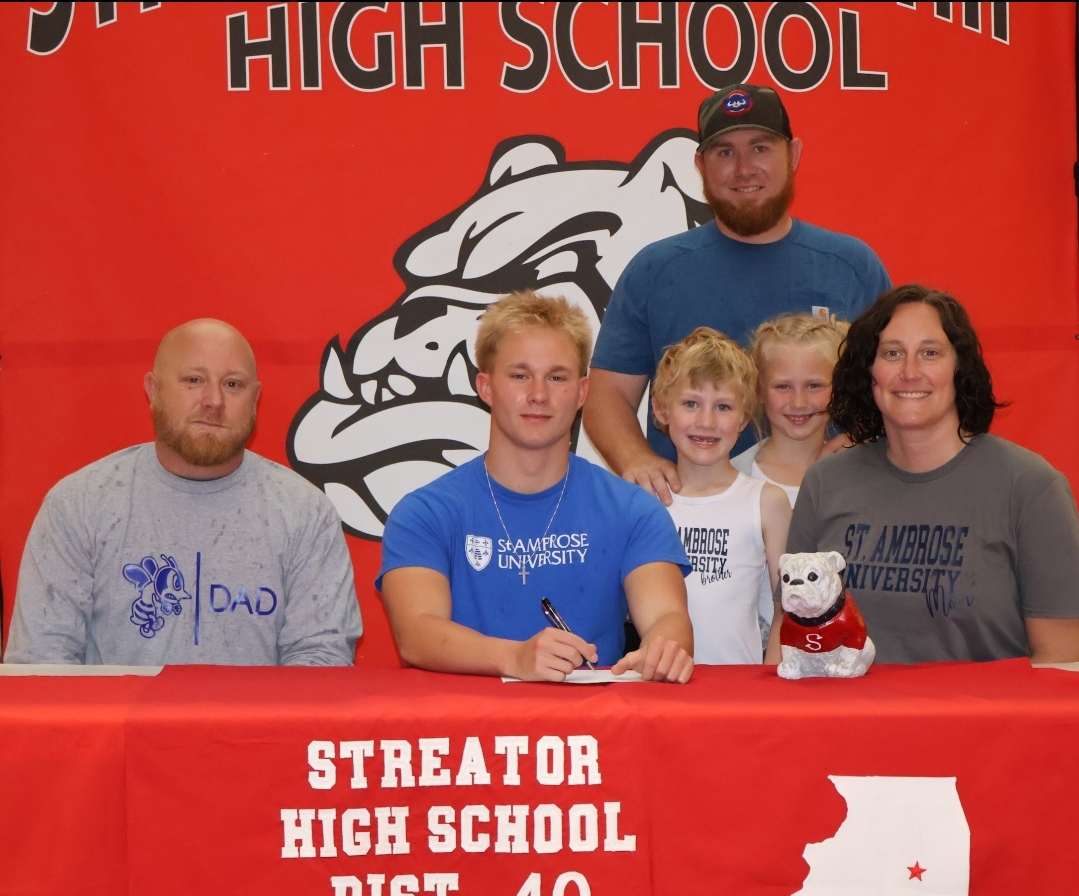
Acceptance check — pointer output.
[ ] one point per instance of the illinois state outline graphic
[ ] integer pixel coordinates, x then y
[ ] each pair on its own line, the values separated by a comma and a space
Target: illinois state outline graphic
901, 835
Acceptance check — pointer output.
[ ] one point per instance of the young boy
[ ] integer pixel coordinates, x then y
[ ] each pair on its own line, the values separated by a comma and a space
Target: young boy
733, 528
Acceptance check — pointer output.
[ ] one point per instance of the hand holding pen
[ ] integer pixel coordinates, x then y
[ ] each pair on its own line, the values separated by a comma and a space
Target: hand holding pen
555, 618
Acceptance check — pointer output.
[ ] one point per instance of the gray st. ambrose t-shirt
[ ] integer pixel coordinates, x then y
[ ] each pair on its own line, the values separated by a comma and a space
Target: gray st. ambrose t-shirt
946, 565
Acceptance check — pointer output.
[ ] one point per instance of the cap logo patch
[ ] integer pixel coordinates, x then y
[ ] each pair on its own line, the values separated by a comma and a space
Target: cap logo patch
737, 102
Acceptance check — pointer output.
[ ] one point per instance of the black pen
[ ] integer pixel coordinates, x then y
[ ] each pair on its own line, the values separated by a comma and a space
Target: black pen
558, 622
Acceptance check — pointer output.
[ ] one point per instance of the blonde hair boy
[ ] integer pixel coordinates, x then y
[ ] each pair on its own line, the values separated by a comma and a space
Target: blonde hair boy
526, 309
733, 528
706, 356
467, 558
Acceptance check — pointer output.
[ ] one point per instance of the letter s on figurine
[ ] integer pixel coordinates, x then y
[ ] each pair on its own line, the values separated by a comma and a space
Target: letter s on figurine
823, 634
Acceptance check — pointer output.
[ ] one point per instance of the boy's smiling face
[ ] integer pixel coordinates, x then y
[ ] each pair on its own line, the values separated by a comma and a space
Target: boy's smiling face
703, 421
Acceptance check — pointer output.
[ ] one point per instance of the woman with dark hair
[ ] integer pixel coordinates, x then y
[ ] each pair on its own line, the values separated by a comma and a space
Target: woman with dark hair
959, 545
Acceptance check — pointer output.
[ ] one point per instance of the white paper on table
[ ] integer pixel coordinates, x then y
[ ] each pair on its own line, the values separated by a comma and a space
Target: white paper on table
1067, 667
72, 670
587, 676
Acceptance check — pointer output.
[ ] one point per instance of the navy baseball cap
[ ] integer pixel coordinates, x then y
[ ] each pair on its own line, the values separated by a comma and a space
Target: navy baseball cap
742, 106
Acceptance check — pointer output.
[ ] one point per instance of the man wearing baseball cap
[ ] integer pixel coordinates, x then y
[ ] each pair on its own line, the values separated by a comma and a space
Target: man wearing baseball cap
755, 262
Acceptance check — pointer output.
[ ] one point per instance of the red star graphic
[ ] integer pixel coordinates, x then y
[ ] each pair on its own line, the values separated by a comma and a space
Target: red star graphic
916, 871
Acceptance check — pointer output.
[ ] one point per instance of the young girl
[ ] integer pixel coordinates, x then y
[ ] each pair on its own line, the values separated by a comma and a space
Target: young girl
794, 355
732, 527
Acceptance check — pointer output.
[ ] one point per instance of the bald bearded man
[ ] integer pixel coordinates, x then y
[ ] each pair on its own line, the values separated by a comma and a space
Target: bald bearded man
190, 549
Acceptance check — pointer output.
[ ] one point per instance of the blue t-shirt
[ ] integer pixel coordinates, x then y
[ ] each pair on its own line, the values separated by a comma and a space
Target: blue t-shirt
604, 529
702, 278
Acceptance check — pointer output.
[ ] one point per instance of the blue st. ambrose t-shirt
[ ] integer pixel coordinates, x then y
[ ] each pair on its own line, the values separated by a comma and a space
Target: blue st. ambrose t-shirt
603, 530
702, 278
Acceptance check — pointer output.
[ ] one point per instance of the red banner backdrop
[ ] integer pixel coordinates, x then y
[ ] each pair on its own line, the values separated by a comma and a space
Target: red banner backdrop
351, 183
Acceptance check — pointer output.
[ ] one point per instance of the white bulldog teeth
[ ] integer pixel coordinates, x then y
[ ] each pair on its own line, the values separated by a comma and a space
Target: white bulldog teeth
457, 380
333, 377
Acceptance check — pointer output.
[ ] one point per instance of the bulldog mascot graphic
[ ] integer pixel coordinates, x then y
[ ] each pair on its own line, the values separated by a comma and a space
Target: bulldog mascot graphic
397, 405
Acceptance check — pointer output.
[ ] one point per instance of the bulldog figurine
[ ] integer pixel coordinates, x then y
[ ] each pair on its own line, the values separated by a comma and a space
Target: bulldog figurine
823, 634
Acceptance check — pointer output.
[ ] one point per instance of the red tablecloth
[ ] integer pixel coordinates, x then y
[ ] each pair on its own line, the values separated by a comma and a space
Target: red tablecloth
196, 781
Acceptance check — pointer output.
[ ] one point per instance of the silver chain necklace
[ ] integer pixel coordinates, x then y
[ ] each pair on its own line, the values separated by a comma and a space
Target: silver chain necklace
524, 571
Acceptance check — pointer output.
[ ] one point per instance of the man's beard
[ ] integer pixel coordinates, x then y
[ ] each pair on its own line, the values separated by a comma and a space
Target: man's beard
752, 220
209, 449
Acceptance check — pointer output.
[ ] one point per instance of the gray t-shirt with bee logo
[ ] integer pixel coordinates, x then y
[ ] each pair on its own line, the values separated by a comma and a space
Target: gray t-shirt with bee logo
127, 564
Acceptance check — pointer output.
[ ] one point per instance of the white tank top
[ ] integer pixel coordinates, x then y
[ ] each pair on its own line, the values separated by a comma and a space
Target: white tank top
722, 537
747, 463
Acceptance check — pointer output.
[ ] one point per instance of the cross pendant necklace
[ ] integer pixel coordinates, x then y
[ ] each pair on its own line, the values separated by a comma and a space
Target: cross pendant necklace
524, 570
